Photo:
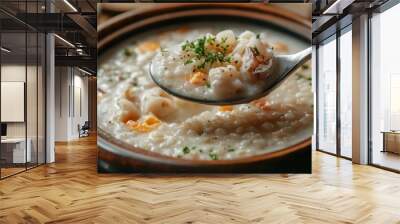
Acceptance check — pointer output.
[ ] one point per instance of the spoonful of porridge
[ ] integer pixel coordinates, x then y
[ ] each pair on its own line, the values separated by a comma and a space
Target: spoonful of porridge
223, 69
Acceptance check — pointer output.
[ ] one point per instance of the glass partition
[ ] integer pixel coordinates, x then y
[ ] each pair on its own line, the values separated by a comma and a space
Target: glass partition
385, 89
327, 95
346, 92
22, 101
14, 153
31, 98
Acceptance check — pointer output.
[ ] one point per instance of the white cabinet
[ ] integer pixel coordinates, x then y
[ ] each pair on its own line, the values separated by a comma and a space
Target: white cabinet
17, 146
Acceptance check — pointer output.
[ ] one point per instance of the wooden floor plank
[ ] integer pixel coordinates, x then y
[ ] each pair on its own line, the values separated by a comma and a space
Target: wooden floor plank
71, 191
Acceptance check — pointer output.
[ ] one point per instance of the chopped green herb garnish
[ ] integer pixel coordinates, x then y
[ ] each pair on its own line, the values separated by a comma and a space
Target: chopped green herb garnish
206, 56
211, 40
186, 150
188, 45
201, 66
189, 61
223, 40
208, 84
213, 155
305, 66
231, 150
302, 76
127, 52
134, 81
258, 36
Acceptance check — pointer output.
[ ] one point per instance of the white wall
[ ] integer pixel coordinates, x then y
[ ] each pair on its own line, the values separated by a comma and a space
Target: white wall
33, 127
14, 73
70, 83
61, 104
81, 94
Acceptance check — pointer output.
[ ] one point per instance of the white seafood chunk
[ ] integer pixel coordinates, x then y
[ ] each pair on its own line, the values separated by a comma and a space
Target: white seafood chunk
159, 106
157, 102
246, 35
225, 81
226, 37
256, 66
128, 111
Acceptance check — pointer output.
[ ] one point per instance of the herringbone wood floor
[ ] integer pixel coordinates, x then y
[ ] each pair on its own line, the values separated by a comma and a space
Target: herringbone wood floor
71, 191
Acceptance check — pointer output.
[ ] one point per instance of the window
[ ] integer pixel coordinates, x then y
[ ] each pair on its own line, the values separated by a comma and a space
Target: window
327, 96
346, 92
385, 89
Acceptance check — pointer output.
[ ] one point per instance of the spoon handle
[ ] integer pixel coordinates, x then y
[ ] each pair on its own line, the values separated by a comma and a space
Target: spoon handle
286, 64
303, 55
299, 58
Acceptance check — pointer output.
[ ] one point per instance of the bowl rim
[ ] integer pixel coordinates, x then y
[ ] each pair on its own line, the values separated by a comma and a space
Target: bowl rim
116, 26
125, 149
119, 26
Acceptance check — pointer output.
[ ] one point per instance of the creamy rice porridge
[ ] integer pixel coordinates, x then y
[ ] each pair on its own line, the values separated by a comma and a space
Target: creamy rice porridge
133, 109
217, 67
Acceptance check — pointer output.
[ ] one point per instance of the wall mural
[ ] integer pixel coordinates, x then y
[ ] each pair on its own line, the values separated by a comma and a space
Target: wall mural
213, 52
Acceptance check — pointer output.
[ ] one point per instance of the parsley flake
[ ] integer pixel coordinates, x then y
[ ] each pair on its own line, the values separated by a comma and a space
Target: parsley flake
186, 150
206, 56
189, 61
213, 155
127, 52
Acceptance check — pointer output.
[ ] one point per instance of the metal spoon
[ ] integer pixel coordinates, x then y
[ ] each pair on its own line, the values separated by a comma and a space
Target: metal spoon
283, 66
